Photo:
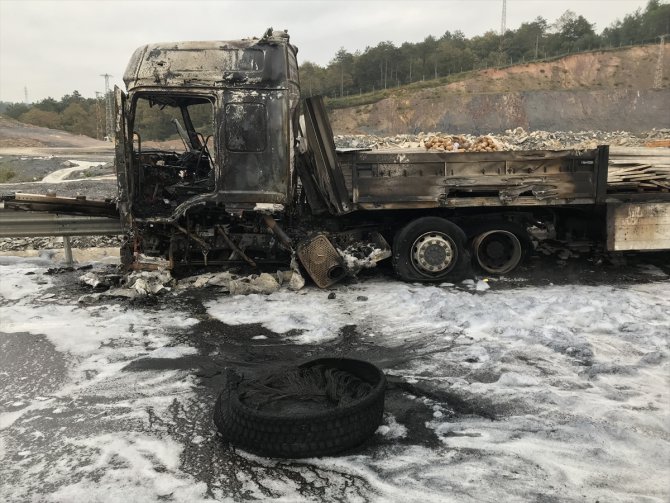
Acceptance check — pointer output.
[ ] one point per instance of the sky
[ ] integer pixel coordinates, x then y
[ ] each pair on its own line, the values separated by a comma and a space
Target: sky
52, 47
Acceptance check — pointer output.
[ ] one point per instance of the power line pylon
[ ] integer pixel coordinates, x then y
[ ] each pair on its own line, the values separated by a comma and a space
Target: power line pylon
98, 115
109, 102
503, 21
503, 27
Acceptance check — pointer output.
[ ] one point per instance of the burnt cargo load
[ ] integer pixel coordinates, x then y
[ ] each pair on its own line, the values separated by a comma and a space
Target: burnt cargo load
254, 178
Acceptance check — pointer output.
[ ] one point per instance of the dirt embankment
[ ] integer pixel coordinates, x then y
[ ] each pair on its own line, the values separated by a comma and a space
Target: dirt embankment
18, 138
627, 89
30, 153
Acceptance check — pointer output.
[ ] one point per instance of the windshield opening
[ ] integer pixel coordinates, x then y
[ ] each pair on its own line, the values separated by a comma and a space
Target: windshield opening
173, 151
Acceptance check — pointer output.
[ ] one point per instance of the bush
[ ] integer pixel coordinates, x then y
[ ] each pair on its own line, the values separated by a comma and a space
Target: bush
6, 174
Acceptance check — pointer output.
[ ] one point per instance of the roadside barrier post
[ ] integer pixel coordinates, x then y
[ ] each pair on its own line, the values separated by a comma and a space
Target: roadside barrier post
68, 251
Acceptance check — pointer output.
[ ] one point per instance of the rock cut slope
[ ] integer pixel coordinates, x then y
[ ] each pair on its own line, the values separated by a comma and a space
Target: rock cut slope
606, 90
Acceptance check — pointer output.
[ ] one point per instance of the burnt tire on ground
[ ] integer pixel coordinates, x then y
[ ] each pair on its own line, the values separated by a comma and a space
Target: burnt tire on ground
431, 249
499, 247
322, 428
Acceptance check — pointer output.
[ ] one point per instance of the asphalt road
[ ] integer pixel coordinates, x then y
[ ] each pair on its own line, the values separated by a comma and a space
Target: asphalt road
545, 387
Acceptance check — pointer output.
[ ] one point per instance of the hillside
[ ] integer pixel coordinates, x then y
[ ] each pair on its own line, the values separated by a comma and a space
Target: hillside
607, 90
15, 134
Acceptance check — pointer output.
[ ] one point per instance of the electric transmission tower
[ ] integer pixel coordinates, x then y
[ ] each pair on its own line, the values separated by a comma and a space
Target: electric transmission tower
658, 76
109, 103
503, 27
98, 115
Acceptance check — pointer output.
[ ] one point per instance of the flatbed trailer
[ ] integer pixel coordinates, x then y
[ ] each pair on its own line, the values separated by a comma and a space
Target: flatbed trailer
510, 181
495, 197
494, 184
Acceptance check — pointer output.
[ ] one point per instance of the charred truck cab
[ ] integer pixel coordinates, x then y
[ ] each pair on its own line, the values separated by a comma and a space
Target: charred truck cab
252, 176
233, 105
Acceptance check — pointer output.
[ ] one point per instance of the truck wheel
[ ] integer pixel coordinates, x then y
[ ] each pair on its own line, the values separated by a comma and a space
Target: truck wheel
286, 414
499, 247
430, 249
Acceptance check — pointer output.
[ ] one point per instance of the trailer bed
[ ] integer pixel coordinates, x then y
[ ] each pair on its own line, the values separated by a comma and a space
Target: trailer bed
402, 178
389, 179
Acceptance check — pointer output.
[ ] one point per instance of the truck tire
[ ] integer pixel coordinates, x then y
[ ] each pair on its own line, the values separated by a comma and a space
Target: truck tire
430, 249
287, 435
499, 247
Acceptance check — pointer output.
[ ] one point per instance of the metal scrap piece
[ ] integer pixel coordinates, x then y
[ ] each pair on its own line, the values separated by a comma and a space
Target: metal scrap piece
321, 260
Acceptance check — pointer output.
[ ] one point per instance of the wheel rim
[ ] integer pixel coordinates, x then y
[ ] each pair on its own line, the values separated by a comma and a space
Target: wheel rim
433, 253
498, 251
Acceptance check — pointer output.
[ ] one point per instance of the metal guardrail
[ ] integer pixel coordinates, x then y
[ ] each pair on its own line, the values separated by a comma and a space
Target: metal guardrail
39, 224
31, 224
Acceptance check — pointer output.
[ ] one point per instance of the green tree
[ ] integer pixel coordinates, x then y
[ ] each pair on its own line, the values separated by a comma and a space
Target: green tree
452, 58
409, 63
42, 118
639, 26
427, 52
571, 33
656, 19
528, 41
77, 119
15, 110
342, 65
366, 68
487, 48
50, 105
312, 79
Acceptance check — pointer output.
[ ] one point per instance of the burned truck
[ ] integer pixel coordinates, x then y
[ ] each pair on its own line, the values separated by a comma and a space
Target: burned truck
254, 178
